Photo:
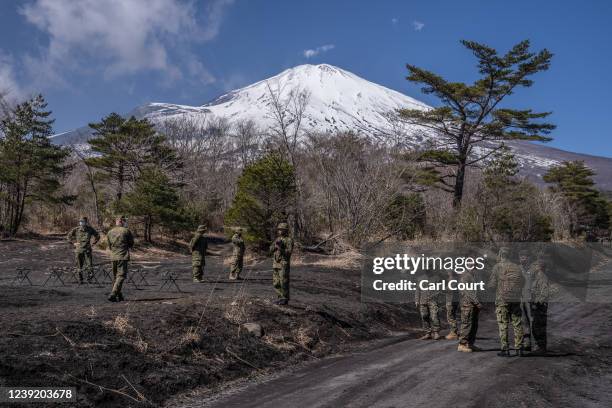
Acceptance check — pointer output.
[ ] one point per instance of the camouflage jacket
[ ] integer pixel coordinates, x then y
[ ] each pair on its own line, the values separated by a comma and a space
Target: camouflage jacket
508, 281
82, 237
422, 297
120, 241
281, 250
238, 246
198, 246
541, 289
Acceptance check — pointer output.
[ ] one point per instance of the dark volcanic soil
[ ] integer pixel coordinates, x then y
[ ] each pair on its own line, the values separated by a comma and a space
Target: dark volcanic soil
160, 343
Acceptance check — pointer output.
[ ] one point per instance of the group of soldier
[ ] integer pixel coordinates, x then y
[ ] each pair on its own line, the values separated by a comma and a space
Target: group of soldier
120, 241
522, 291
521, 286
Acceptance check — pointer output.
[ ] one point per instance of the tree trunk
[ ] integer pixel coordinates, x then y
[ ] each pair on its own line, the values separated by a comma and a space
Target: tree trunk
459, 183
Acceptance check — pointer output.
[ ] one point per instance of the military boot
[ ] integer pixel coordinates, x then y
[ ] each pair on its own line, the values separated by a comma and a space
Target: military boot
427, 336
112, 298
281, 302
120, 297
503, 353
451, 336
475, 348
464, 348
436, 336
520, 352
197, 280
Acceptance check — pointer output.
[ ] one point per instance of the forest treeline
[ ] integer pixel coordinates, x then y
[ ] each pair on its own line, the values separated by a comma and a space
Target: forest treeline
335, 190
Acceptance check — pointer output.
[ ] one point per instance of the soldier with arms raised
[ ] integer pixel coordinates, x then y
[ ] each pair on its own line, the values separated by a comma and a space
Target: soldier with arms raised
198, 246
238, 249
281, 250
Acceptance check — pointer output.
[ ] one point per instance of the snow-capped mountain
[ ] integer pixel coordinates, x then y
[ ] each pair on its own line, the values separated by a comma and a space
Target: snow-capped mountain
338, 100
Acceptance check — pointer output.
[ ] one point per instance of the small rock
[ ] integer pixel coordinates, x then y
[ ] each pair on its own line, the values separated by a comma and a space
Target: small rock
254, 328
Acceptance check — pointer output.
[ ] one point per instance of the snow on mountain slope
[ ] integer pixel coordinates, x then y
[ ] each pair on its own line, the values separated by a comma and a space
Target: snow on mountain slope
338, 100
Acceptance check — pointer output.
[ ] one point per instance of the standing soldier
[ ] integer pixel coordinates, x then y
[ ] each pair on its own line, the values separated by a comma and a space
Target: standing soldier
452, 309
508, 281
281, 250
237, 255
81, 236
198, 246
470, 310
527, 272
541, 292
120, 241
427, 303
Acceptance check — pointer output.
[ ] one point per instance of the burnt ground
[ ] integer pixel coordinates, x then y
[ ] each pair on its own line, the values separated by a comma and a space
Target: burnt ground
164, 344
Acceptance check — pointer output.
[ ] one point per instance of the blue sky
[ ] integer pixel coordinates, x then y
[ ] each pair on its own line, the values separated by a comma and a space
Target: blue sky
92, 57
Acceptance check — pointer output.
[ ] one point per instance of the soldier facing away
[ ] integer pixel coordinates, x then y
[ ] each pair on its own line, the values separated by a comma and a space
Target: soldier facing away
238, 249
508, 281
81, 236
470, 311
120, 241
198, 246
281, 250
427, 304
541, 291
452, 311
526, 270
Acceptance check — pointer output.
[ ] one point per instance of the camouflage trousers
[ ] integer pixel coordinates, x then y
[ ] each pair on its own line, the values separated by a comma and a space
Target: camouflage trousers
236, 268
539, 311
429, 316
469, 323
120, 271
280, 280
452, 310
197, 271
84, 259
509, 312
527, 323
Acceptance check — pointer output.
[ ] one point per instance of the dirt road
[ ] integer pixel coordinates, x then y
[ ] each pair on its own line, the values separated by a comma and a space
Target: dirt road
416, 373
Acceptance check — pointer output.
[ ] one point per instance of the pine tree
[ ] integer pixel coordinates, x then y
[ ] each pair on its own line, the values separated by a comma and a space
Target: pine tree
124, 148
155, 199
471, 115
574, 180
30, 165
266, 190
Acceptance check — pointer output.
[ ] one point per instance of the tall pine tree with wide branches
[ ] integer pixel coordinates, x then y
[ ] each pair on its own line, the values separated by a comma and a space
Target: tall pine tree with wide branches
471, 115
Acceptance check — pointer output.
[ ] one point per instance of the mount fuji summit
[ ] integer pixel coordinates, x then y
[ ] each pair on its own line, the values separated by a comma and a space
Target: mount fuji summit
338, 101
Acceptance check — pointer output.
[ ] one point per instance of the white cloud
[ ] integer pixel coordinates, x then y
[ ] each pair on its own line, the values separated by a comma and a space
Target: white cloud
417, 25
9, 86
121, 37
394, 20
313, 52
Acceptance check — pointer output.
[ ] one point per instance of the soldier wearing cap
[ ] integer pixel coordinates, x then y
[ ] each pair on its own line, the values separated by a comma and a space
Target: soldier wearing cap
120, 241
198, 246
82, 236
281, 250
238, 249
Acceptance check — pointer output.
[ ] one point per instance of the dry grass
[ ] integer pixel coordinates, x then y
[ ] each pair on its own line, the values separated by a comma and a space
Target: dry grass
348, 260
121, 324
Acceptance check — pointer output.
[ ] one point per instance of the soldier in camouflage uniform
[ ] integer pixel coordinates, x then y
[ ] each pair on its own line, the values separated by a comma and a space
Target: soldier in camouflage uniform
470, 311
526, 270
198, 246
452, 310
508, 281
120, 241
427, 304
237, 255
82, 236
541, 292
281, 250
